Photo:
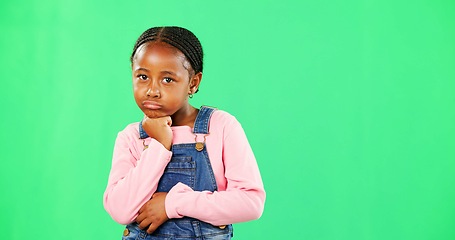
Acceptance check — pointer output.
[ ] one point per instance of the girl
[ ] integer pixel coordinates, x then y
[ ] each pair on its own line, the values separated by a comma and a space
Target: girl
182, 172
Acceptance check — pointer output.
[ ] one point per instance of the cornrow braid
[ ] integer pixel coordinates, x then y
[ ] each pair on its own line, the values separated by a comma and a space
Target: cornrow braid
178, 37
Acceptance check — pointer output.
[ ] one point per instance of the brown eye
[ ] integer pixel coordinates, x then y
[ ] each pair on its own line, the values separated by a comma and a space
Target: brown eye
168, 80
142, 77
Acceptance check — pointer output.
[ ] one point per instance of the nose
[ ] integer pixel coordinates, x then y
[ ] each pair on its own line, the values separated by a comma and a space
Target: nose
153, 91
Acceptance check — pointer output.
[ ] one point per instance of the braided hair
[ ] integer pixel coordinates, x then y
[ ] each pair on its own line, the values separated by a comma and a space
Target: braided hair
178, 37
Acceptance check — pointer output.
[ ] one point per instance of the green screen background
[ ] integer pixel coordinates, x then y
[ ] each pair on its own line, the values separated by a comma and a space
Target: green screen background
348, 106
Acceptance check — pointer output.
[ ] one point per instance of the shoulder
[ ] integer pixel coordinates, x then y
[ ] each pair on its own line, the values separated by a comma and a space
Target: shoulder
131, 131
221, 117
224, 121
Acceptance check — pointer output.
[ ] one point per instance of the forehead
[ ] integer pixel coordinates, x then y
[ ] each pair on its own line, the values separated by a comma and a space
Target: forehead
159, 54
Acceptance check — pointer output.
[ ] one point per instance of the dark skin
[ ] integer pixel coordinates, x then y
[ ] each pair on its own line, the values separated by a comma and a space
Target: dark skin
162, 80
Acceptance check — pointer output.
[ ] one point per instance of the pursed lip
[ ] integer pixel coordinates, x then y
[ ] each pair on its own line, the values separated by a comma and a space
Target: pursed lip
151, 105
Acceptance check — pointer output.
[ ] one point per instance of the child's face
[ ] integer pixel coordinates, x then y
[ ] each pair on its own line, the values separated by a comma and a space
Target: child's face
161, 80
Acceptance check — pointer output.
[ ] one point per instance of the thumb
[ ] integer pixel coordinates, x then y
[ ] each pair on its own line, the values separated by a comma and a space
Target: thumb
169, 121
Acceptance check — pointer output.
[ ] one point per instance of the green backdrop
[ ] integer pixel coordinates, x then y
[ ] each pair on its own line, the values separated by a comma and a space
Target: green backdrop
348, 106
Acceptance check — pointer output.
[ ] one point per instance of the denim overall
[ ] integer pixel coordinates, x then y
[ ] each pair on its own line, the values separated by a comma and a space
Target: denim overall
190, 165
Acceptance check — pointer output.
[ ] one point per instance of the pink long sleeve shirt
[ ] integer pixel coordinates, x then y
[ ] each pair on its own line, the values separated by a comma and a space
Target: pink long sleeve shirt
135, 174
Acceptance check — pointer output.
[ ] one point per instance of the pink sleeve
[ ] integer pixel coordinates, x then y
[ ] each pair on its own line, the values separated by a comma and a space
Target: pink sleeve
244, 197
132, 181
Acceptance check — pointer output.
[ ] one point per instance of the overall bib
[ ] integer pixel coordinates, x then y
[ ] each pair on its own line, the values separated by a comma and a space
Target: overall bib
190, 165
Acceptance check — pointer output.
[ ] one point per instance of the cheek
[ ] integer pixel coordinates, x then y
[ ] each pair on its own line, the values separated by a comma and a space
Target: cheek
135, 85
180, 94
138, 88
137, 93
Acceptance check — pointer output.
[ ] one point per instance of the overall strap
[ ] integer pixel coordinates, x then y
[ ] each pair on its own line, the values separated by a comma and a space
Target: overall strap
201, 124
142, 133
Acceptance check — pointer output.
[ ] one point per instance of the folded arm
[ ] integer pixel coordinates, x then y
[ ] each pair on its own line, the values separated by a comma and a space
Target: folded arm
244, 196
133, 179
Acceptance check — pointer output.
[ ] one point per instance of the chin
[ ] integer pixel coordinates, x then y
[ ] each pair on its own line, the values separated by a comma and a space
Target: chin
154, 114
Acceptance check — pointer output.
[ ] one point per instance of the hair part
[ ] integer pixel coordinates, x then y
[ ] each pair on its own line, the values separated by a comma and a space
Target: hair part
178, 37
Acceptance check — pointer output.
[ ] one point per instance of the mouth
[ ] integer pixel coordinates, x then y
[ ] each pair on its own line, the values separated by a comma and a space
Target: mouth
151, 105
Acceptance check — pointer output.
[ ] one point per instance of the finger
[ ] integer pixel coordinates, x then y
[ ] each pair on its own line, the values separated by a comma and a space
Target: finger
140, 218
145, 223
165, 120
143, 207
152, 228
169, 121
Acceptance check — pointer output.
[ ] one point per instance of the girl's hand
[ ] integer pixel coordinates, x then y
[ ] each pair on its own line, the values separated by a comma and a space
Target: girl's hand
159, 129
153, 213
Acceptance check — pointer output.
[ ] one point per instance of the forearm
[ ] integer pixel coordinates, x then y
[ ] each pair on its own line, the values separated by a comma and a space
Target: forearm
217, 208
240, 196
131, 184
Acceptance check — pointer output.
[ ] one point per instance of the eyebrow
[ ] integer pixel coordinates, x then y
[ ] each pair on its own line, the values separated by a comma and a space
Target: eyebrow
141, 69
169, 72
146, 70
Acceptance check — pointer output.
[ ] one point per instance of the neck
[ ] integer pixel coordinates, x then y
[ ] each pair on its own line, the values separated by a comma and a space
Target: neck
185, 116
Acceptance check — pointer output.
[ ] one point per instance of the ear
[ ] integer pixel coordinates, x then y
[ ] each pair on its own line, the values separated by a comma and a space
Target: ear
194, 83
